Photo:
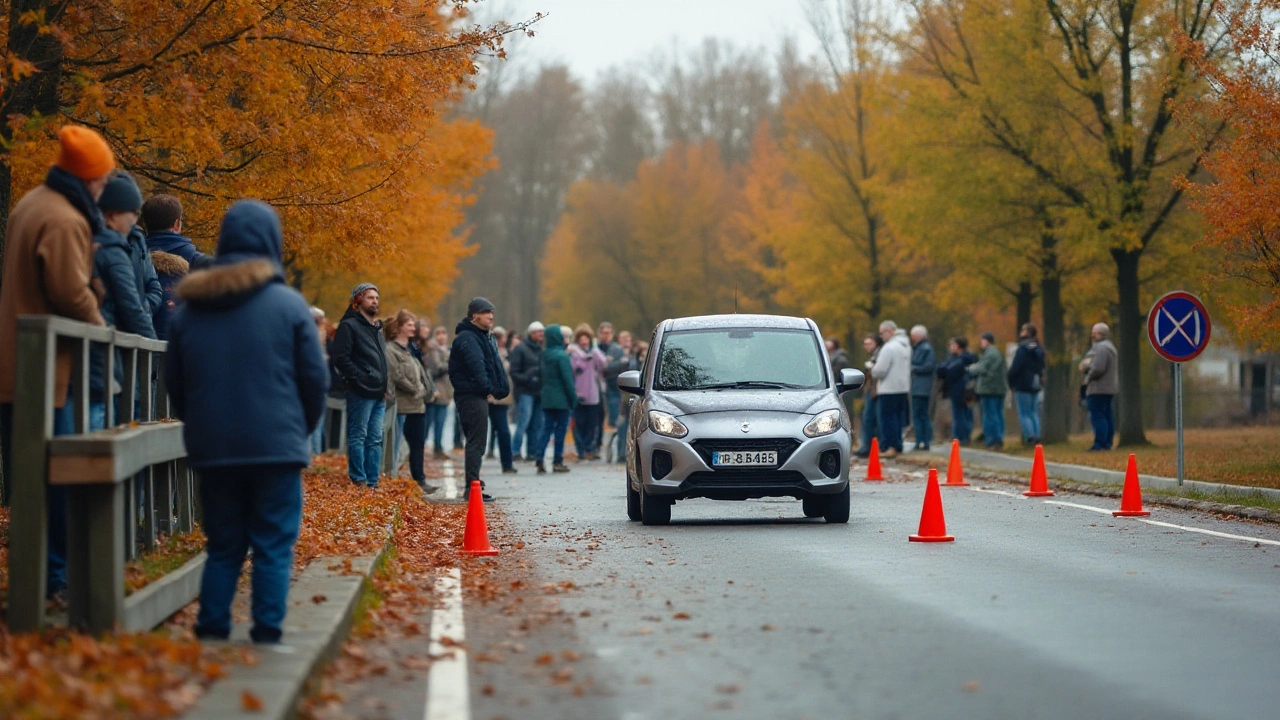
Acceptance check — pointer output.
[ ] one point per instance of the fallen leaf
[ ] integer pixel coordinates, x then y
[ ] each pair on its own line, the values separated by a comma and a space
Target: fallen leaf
249, 702
317, 599
682, 616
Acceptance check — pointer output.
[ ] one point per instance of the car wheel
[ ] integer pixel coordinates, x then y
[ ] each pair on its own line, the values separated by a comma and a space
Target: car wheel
654, 510
633, 499
837, 507
814, 506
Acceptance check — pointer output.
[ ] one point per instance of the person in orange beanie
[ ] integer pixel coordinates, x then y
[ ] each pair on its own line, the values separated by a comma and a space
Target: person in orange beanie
48, 265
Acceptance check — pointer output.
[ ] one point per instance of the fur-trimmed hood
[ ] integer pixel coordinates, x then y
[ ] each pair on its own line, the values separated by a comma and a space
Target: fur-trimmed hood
170, 264
228, 285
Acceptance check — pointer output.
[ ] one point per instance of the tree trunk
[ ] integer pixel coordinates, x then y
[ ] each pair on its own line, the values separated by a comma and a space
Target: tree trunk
1025, 296
1057, 390
1129, 337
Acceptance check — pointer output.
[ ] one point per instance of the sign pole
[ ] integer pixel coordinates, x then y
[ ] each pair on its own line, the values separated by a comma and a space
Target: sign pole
1177, 413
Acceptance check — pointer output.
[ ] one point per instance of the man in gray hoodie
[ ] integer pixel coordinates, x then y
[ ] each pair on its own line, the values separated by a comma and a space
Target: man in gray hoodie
1102, 379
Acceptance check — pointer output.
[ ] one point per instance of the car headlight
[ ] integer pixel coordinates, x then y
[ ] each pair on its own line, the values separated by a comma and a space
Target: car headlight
667, 425
824, 424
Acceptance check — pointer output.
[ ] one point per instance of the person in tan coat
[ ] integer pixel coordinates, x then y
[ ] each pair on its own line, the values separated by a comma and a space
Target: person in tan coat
413, 391
48, 269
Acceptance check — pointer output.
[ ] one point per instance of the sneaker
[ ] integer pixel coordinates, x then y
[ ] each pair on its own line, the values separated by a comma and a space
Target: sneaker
509, 471
560, 468
542, 469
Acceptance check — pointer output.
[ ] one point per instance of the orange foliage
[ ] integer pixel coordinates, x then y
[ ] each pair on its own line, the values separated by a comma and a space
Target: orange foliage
1240, 203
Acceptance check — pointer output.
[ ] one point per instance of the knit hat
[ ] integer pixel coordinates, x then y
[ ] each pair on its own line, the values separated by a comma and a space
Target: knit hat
361, 289
479, 305
121, 194
534, 327
84, 153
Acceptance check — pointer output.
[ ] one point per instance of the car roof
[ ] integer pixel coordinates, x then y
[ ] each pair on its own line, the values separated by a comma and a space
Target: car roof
707, 322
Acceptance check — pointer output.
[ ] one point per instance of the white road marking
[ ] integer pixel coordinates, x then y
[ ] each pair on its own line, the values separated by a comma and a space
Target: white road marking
1157, 523
1016, 496
450, 481
448, 691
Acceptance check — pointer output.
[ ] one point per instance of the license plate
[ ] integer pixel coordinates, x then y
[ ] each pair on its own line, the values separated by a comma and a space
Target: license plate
745, 458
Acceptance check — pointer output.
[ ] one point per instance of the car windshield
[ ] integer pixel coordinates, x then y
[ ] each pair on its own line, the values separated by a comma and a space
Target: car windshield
740, 358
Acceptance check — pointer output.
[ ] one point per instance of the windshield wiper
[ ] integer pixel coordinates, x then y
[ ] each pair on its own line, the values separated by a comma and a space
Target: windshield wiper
748, 384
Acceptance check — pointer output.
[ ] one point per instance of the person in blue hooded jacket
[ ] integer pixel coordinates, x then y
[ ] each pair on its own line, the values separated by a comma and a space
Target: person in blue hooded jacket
172, 255
246, 375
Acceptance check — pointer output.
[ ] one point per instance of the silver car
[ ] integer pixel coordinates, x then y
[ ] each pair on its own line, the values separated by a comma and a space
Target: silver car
734, 407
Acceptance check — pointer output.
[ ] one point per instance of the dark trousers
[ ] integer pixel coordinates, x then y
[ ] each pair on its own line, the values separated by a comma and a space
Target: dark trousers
961, 420
415, 433
587, 427
870, 422
498, 415
893, 410
258, 507
921, 420
555, 423
473, 416
1103, 421
435, 416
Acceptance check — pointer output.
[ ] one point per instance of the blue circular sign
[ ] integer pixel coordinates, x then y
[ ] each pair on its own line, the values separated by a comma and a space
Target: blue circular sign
1178, 326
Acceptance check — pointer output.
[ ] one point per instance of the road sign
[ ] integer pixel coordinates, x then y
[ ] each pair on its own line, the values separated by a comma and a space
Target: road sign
1178, 327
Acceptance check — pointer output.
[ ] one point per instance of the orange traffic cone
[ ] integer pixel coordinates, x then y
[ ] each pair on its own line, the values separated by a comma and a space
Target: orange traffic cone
1131, 499
955, 471
1039, 478
873, 462
933, 526
475, 541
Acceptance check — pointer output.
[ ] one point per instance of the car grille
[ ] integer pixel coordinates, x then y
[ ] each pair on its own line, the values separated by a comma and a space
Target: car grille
784, 447
746, 476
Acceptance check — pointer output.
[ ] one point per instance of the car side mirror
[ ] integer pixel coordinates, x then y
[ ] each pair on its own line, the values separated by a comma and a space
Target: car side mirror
850, 379
629, 382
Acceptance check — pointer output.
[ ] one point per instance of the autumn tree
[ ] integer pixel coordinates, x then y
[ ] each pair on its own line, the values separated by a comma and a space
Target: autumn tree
1241, 201
1116, 77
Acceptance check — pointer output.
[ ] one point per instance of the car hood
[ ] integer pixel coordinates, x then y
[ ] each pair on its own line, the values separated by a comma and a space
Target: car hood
693, 402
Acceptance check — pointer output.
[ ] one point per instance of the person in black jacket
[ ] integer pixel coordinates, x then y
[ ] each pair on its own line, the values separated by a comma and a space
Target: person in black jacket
247, 378
526, 377
359, 354
1024, 379
476, 371
954, 376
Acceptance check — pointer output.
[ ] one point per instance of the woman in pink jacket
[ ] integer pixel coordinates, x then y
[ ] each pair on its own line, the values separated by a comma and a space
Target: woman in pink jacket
588, 374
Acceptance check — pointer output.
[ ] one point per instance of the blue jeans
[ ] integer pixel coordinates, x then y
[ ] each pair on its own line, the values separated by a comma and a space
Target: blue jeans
612, 403
921, 420
870, 422
257, 507
364, 438
1028, 415
500, 430
892, 411
435, 424
555, 423
1103, 421
961, 421
528, 420
624, 420
992, 419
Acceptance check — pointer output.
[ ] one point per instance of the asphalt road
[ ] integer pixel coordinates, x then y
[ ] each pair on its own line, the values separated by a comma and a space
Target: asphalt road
749, 610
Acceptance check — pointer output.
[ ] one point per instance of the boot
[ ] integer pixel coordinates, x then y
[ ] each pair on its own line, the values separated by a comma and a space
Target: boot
542, 468
560, 468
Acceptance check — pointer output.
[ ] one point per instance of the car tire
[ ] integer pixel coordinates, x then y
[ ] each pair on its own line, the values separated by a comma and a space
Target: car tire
654, 510
837, 507
633, 499
814, 506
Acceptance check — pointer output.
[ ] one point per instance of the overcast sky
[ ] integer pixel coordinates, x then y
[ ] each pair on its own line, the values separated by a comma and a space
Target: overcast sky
593, 35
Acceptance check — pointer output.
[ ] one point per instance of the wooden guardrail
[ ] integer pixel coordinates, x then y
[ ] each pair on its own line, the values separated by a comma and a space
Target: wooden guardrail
125, 484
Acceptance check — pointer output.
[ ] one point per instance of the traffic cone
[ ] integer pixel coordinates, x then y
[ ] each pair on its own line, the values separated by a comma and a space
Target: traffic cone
1131, 499
475, 541
955, 471
1039, 478
873, 462
933, 526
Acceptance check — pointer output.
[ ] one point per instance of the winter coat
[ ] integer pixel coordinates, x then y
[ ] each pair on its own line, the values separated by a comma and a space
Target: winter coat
988, 373
144, 271
170, 270
510, 399
437, 362
168, 241
588, 372
923, 364
615, 364
839, 361
526, 368
954, 375
359, 355
1103, 374
1027, 367
122, 306
48, 269
893, 366
557, 373
244, 369
409, 380
475, 369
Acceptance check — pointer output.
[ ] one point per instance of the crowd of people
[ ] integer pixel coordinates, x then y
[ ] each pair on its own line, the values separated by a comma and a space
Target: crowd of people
903, 372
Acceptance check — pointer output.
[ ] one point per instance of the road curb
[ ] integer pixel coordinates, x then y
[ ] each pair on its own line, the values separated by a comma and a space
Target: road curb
322, 601
1108, 483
